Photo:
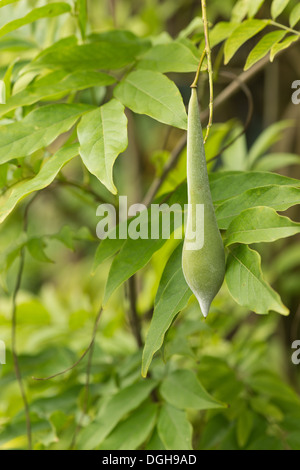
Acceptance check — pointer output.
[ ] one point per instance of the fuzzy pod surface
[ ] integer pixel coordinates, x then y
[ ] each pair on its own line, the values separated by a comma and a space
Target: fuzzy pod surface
203, 256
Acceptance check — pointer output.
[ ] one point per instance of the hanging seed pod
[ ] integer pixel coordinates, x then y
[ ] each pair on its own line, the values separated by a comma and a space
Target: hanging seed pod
203, 257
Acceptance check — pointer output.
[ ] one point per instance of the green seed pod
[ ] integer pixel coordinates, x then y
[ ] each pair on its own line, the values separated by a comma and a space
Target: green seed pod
203, 257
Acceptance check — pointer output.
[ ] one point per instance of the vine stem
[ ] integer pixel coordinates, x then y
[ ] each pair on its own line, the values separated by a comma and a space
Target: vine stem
209, 68
228, 92
14, 331
194, 84
249, 97
206, 52
89, 348
132, 313
282, 26
14, 352
90, 351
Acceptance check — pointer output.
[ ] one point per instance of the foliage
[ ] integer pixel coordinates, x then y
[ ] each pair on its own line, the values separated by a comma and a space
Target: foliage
78, 89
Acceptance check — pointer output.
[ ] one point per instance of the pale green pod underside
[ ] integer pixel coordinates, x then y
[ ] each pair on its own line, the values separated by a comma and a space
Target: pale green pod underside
203, 257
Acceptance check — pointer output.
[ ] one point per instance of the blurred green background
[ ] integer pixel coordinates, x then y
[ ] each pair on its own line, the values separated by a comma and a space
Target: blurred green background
241, 358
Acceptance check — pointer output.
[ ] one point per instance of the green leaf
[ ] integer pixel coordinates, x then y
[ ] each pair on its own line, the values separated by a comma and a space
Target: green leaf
68, 236
172, 296
235, 156
263, 47
9, 255
195, 26
227, 184
47, 11
266, 139
78, 319
136, 253
102, 135
277, 7
12, 43
117, 407
65, 401
246, 284
176, 56
183, 390
295, 16
50, 52
267, 409
133, 255
109, 50
267, 442
282, 45
130, 43
3, 174
275, 161
244, 427
254, 6
214, 432
293, 440
155, 442
53, 84
38, 129
287, 260
152, 93
221, 31
260, 224
33, 312
13, 433
7, 79
266, 382
279, 198
125, 436
174, 429
241, 34
240, 10
2, 92
179, 345
48, 172
3, 3
36, 247
107, 248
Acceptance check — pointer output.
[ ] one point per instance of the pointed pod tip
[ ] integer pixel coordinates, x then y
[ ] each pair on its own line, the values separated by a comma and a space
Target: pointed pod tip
204, 313
204, 307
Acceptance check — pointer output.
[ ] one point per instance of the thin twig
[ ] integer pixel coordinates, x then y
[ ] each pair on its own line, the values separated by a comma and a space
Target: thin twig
87, 382
133, 315
222, 97
86, 396
14, 330
112, 5
227, 93
194, 84
234, 86
171, 163
81, 357
14, 353
209, 69
286, 28
248, 94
